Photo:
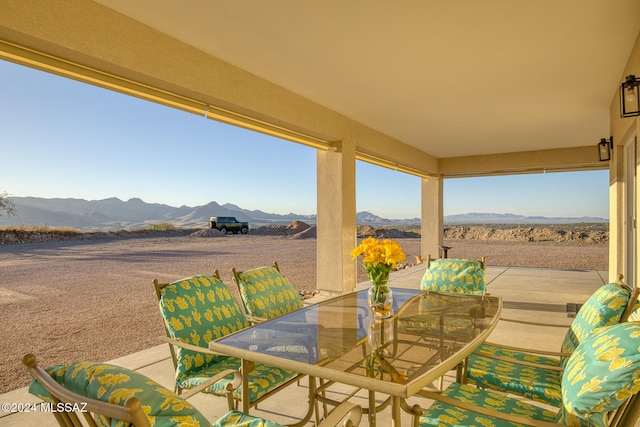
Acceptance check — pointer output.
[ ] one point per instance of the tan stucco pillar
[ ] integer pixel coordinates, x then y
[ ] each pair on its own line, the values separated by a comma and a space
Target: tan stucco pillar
432, 222
336, 176
616, 214
623, 131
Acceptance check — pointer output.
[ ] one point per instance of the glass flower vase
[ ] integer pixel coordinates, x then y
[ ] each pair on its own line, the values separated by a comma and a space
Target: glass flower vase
381, 334
380, 299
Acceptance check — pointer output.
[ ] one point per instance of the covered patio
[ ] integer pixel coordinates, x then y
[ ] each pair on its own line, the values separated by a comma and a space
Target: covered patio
532, 294
438, 90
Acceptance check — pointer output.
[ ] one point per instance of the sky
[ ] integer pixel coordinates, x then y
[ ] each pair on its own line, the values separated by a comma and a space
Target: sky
65, 139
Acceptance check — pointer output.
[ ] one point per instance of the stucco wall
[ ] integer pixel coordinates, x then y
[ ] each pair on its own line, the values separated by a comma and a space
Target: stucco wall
623, 131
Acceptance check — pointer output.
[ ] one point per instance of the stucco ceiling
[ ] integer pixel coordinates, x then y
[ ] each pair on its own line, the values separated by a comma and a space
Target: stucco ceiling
451, 77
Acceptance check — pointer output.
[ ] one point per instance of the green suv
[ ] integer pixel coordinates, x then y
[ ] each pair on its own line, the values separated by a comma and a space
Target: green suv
228, 223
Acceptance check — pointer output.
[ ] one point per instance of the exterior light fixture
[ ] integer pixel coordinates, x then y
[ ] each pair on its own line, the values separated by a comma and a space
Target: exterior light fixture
604, 149
629, 99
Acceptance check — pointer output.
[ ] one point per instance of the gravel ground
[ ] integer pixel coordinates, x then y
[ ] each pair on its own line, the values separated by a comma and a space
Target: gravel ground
93, 300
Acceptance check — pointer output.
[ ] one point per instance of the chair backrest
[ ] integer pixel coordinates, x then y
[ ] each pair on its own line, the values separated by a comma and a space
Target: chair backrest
197, 310
603, 375
605, 307
455, 275
267, 293
102, 392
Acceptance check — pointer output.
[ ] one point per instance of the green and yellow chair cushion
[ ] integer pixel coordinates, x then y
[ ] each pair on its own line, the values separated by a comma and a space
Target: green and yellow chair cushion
261, 380
453, 328
266, 293
451, 275
451, 414
458, 320
198, 310
600, 375
603, 372
605, 307
539, 384
445, 415
114, 384
240, 419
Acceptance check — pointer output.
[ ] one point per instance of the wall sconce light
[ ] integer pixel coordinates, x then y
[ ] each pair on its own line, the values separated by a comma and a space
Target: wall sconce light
629, 99
604, 149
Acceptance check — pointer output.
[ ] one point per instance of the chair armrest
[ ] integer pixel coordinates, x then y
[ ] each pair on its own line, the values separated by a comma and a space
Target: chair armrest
526, 350
255, 319
130, 411
188, 346
347, 411
519, 362
526, 322
237, 381
483, 411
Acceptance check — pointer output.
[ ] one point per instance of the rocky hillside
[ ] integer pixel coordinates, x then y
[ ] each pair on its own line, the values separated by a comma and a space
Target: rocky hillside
572, 233
569, 233
576, 233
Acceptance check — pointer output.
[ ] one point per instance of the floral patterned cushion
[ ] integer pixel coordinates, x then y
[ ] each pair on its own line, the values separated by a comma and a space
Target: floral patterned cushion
266, 293
451, 275
444, 415
114, 384
200, 309
240, 419
441, 315
262, 379
602, 372
454, 328
605, 307
542, 385
197, 310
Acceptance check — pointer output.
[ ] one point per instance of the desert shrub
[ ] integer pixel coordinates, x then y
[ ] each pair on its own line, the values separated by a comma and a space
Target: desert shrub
162, 226
40, 229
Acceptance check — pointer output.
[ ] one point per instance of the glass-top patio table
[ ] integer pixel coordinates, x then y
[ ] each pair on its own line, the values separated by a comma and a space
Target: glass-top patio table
340, 340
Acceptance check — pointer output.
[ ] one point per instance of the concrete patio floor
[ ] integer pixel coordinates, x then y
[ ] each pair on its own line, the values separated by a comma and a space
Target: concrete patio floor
537, 294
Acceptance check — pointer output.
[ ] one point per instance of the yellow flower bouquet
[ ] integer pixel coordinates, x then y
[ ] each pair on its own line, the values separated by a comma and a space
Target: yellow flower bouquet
379, 257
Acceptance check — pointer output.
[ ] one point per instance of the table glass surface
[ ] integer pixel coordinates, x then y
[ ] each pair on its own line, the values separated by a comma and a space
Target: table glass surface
340, 334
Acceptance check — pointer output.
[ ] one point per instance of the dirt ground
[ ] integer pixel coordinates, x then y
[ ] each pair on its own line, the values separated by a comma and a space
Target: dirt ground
93, 300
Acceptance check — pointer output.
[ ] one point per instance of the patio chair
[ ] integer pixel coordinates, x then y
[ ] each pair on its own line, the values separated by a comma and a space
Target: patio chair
455, 275
599, 388
449, 276
103, 394
197, 310
266, 293
537, 374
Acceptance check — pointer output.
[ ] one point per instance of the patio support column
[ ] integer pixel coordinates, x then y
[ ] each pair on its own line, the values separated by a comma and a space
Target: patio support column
617, 213
621, 211
336, 180
432, 217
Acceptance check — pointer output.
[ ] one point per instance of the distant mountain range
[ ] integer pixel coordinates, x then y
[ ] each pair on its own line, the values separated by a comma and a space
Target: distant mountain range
495, 218
113, 213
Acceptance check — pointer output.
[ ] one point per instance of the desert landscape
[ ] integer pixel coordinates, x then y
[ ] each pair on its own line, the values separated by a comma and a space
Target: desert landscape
84, 296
